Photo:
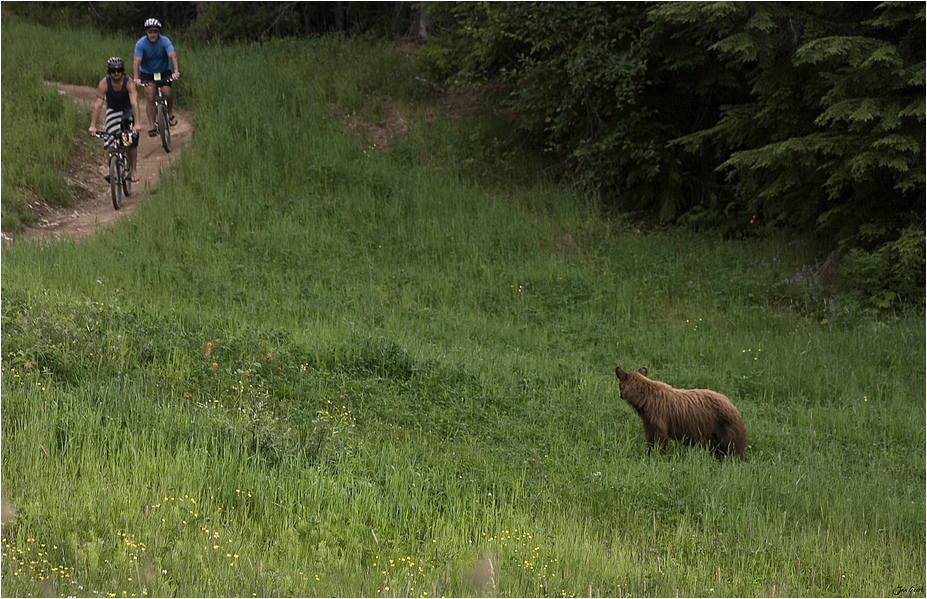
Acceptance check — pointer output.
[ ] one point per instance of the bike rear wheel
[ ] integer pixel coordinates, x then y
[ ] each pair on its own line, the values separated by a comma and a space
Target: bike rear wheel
164, 128
115, 181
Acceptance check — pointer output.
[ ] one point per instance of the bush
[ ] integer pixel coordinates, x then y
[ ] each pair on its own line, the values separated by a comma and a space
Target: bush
892, 273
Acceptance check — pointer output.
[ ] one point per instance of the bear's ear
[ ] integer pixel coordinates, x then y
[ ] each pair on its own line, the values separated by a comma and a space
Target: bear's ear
621, 374
643, 370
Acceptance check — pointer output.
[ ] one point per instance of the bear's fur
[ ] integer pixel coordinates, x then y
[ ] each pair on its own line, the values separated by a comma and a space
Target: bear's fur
695, 415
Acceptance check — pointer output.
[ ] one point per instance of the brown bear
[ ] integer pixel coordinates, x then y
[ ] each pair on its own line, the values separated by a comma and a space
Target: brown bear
693, 415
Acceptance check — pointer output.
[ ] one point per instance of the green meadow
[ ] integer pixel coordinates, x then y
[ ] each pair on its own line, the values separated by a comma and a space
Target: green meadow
314, 366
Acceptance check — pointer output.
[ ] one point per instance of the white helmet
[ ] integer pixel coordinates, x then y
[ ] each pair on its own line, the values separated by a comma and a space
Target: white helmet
153, 24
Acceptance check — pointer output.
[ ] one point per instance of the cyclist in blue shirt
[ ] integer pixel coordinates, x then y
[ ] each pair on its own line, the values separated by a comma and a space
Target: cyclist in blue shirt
119, 94
154, 57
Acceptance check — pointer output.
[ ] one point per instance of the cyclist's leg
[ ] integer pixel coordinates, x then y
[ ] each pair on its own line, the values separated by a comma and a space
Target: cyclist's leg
114, 122
133, 162
168, 93
113, 127
132, 151
149, 103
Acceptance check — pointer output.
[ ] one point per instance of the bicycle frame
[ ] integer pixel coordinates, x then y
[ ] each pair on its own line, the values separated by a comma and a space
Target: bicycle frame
164, 127
118, 160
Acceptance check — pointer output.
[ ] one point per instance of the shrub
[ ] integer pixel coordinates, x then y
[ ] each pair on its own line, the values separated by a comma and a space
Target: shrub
893, 272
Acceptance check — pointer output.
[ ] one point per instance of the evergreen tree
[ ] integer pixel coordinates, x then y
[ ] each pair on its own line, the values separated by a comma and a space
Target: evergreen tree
725, 115
831, 133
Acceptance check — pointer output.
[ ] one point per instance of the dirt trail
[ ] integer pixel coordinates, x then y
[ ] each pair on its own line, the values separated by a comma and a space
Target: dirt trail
94, 207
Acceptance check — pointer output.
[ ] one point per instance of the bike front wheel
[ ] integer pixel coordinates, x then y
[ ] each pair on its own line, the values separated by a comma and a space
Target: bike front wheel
126, 177
164, 128
115, 179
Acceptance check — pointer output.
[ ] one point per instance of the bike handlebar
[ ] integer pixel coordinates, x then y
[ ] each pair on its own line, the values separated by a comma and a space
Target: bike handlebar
115, 139
147, 83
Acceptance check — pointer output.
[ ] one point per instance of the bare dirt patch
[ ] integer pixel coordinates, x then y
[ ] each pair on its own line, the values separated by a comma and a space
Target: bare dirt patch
93, 207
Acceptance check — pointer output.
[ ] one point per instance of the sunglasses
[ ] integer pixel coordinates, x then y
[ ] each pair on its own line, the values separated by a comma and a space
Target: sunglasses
111, 71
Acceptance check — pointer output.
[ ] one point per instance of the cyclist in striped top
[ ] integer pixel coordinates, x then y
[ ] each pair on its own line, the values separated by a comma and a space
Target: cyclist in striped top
120, 95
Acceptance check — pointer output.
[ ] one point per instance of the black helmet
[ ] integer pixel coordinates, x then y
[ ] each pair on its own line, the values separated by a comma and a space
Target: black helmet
153, 24
115, 63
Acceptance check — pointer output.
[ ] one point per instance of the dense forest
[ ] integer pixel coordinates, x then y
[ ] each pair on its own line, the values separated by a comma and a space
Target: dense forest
735, 118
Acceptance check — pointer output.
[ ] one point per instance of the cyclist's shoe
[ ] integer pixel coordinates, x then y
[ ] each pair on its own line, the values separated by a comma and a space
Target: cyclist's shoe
153, 132
172, 121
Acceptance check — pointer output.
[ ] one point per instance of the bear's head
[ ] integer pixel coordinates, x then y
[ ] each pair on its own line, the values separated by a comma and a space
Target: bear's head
631, 385
624, 378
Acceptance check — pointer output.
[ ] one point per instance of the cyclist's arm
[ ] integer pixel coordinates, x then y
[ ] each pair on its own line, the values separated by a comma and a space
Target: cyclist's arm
136, 63
101, 99
133, 100
173, 56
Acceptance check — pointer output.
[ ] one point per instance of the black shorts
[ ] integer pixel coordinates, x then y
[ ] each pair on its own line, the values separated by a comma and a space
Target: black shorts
165, 77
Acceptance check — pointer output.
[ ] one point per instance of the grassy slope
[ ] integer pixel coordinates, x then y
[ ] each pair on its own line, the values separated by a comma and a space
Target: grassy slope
307, 366
39, 129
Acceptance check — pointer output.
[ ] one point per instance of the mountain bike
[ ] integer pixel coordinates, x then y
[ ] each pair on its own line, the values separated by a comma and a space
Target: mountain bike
161, 120
120, 180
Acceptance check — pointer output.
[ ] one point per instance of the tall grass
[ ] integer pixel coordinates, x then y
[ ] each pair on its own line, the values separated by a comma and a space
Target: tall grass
307, 366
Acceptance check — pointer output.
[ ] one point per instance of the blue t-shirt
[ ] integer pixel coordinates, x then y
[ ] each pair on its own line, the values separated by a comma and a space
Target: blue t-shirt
154, 58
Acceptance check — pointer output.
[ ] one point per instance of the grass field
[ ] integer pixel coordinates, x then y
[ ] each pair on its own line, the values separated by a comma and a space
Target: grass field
312, 366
